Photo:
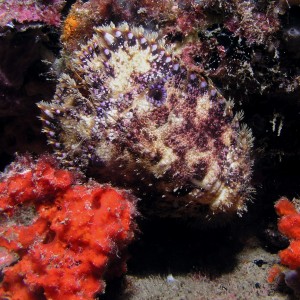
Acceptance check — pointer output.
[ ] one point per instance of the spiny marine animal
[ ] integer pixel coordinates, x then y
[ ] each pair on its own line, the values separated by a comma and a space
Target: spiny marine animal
128, 111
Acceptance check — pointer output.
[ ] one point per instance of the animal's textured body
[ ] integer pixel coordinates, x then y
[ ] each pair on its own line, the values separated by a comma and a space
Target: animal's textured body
128, 110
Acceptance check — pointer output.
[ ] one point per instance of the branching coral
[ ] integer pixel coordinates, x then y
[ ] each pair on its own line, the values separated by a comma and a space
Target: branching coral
289, 225
69, 237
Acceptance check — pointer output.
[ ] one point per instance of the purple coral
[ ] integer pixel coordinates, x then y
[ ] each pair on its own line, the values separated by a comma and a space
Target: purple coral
292, 279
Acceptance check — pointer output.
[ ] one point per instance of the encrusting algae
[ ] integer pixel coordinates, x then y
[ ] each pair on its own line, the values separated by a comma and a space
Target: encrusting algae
127, 110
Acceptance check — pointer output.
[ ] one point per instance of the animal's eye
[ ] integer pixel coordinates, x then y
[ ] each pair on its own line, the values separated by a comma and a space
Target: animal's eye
157, 94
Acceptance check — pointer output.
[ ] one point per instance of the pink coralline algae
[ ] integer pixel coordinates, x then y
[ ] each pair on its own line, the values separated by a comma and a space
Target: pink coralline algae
31, 11
60, 240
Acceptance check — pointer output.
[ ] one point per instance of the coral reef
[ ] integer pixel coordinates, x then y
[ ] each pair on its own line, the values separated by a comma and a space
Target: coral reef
128, 110
238, 43
31, 11
245, 51
60, 239
289, 225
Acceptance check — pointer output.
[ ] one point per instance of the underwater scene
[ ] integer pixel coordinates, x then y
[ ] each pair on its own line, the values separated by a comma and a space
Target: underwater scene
149, 149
